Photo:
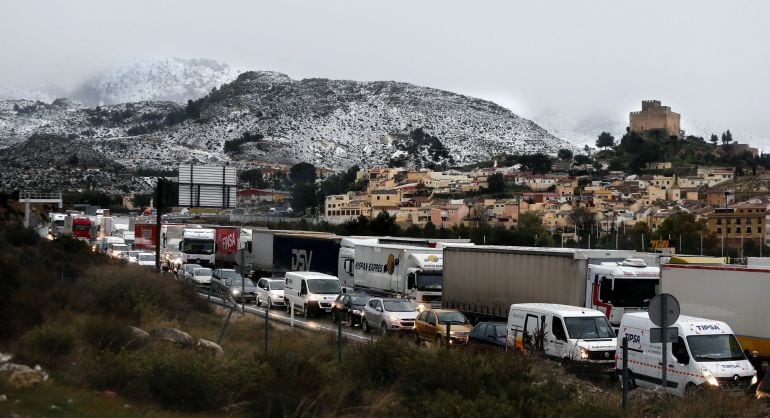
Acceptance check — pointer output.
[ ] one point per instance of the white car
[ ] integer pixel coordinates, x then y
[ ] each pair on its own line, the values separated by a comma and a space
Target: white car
270, 291
185, 272
131, 255
201, 276
146, 259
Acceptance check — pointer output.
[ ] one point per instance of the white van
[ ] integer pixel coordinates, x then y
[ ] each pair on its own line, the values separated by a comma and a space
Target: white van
568, 332
706, 351
310, 291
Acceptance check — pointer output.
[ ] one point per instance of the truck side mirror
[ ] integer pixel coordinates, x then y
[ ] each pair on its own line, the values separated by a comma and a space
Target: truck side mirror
180, 245
347, 266
410, 282
605, 289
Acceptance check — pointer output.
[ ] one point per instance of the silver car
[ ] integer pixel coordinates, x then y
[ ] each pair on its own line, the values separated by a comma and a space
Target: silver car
270, 291
389, 315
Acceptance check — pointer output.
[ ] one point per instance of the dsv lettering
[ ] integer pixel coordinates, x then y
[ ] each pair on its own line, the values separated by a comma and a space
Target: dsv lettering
301, 259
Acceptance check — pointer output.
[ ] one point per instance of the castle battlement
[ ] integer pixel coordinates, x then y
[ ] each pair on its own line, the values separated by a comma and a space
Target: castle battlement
655, 116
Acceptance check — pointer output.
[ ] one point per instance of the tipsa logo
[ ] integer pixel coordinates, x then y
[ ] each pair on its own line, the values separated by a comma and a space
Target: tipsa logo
432, 259
391, 266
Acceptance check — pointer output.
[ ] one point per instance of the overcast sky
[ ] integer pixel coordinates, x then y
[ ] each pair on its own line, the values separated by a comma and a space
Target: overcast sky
709, 60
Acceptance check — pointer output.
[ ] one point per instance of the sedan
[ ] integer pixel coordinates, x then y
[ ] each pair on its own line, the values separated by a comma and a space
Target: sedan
431, 326
270, 291
388, 315
486, 335
350, 306
241, 289
220, 276
201, 276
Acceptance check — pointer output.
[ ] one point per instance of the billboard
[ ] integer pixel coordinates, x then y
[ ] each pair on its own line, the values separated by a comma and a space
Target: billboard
209, 186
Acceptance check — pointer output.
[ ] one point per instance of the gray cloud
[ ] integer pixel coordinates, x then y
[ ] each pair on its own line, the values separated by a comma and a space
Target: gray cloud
709, 60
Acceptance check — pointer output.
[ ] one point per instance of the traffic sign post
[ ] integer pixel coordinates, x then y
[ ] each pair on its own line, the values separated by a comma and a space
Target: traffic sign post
664, 311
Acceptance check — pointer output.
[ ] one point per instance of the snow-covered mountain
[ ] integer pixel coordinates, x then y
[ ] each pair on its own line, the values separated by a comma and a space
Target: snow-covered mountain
330, 123
170, 79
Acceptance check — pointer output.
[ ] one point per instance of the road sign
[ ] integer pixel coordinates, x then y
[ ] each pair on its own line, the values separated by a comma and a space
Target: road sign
656, 335
664, 310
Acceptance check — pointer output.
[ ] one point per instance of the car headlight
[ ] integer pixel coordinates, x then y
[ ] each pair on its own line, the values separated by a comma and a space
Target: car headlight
583, 353
235, 292
394, 318
312, 297
710, 379
421, 307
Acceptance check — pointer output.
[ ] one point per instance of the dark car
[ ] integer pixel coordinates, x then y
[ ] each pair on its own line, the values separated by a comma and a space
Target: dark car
488, 335
350, 306
763, 388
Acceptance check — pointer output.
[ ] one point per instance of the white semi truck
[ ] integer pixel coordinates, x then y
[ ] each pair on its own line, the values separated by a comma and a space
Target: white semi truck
483, 281
737, 295
198, 245
399, 270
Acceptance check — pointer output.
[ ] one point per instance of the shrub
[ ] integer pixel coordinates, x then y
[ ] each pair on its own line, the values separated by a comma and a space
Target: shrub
107, 334
45, 344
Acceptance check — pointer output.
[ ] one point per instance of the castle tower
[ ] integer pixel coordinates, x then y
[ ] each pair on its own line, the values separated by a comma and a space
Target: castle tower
654, 116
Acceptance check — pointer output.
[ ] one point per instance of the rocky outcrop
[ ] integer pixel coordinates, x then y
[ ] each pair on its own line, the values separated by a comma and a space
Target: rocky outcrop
211, 346
174, 335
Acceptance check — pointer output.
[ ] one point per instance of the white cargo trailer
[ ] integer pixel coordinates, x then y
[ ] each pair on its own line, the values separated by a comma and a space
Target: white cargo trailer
733, 294
483, 281
400, 271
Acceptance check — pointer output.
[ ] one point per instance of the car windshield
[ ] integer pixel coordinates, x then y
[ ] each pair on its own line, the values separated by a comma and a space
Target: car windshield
721, 347
146, 257
196, 246
120, 248
276, 284
238, 282
587, 328
360, 299
324, 286
229, 274
191, 267
202, 272
430, 281
634, 292
398, 306
453, 317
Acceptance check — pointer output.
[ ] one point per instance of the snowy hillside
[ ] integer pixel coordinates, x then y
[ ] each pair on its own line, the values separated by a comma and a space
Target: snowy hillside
330, 123
171, 79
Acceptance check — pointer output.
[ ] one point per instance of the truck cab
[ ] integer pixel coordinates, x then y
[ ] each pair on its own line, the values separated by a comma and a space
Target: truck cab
617, 288
424, 278
198, 246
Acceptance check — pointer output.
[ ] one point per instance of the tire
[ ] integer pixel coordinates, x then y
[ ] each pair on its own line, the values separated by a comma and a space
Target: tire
365, 326
437, 341
691, 389
384, 329
631, 381
351, 321
257, 301
305, 312
269, 304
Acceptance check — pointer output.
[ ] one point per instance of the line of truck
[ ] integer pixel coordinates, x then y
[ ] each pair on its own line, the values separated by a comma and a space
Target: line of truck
483, 281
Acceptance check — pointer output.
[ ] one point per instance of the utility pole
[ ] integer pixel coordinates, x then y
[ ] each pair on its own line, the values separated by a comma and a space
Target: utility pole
158, 208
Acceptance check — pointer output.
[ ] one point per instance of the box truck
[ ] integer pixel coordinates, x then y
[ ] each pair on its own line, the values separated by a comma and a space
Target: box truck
733, 294
483, 281
274, 252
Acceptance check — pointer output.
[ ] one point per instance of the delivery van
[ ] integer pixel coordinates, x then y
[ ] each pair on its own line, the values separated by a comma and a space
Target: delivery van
567, 332
310, 291
705, 352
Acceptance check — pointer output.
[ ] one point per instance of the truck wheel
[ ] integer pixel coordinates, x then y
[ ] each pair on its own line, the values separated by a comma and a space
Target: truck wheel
305, 313
364, 325
384, 329
631, 381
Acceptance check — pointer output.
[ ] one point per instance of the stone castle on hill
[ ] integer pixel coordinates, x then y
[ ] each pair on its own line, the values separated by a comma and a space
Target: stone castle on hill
654, 116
